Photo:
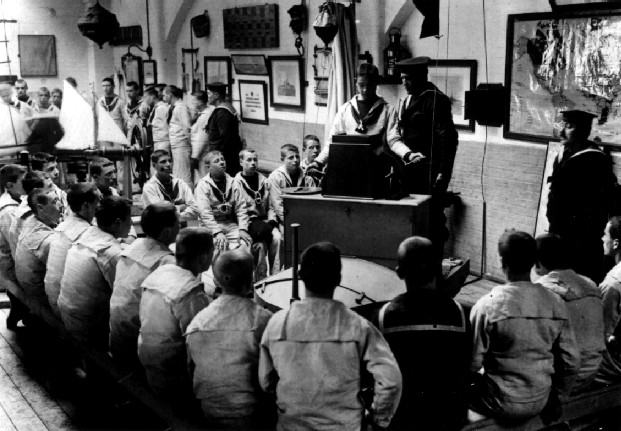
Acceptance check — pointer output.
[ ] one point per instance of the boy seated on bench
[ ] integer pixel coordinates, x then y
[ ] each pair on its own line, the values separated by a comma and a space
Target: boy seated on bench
221, 206
223, 344
171, 296
160, 224
90, 269
582, 298
290, 174
103, 174
610, 368
311, 147
263, 227
523, 342
34, 243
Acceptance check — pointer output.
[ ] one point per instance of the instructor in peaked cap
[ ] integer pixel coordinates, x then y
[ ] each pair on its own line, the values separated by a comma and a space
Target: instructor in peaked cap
223, 127
426, 125
580, 190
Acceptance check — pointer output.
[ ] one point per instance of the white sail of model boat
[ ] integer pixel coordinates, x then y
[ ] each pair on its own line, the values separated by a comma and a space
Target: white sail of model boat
14, 129
78, 121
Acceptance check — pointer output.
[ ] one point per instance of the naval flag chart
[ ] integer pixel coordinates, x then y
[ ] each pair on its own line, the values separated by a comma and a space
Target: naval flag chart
253, 100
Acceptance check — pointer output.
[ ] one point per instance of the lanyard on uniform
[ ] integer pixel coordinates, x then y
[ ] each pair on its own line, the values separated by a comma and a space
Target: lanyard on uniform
169, 198
224, 207
258, 194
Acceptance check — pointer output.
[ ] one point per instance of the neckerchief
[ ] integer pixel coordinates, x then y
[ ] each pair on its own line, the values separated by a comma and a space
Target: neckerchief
371, 117
170, 112
109, 106
258, 194
222, 197
169, 198
132, 110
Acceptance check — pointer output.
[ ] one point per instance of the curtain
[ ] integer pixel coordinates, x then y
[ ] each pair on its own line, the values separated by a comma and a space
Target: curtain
341, 84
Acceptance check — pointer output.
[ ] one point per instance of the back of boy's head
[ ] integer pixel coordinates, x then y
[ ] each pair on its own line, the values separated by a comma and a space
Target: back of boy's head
157, 217
211, 155
518, 251
10, 174
193, 242
320, 267
155, 155
97, 165
81, 193
38, 161
243, 152
307, 138
416, 261
288, 148
33, 180
112, 208
38, 196
233, 271
552, 252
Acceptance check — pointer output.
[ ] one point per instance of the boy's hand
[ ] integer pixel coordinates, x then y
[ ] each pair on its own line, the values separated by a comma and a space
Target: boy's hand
221, 242
245, 237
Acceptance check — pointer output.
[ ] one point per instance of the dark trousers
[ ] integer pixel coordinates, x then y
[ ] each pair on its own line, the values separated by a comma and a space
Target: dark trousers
586, 252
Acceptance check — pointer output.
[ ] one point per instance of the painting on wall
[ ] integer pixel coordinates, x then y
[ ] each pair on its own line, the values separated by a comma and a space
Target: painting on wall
218, 69
37, 55
286, 82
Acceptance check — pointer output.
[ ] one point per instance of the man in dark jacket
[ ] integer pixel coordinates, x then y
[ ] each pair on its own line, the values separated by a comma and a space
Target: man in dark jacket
581, 187
223, 128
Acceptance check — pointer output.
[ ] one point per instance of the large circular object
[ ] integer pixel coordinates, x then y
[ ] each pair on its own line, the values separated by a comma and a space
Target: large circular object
363, 283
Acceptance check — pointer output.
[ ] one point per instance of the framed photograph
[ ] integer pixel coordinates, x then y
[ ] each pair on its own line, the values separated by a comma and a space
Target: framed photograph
542, 78
132, 66
249, 64
253, 101
287, 82
37, 55
454, 78
583, 5
218, 69
149, 67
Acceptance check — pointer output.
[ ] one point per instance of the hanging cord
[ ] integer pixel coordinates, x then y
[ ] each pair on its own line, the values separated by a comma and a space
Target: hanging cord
324, 62
484, 227
8, 62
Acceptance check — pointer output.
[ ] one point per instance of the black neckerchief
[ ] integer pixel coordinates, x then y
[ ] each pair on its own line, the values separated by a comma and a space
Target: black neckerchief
251, 192
167, 196
222, 197
109, 107
371, 117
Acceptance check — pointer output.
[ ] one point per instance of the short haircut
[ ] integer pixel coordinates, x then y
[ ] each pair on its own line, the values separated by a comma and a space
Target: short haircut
58, 90
44, 90
210, 155
108, 79
417, 260
310, 138
112, 208
174, 90
160, 86
79, 194
10, 174
320, 267
552, 252
151, 92
133, 84
615, 227
38, 161
21, 81
155, 155
73, 82
33, 180
200, 95
286, 148
156, 217
193, 242
97, 165
246, 150
38, 196
518, 251
233, 270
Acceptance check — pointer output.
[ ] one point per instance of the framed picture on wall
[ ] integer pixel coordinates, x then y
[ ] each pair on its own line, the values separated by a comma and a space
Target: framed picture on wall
286, 82
253, 101
132, 66
218, 69
583, 5
454, 78
149, 67
37, 55
249, 64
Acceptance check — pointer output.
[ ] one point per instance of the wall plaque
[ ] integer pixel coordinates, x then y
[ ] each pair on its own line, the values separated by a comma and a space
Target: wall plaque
253, 27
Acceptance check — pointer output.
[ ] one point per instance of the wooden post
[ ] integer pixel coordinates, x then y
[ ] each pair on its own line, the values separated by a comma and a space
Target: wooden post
295, 296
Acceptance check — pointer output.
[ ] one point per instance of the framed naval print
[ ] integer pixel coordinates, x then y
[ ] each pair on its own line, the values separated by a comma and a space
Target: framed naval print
37, 55
286, 82
253, 101
218, 69
149, 67
454, 78
583, 5
249, 64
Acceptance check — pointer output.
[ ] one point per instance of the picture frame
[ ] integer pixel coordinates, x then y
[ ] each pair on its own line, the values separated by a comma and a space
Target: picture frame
287, 82
535, 54
132, 67
218, 69
454, 78
253, 102
583, 5
37, 55
249, 64
149, 68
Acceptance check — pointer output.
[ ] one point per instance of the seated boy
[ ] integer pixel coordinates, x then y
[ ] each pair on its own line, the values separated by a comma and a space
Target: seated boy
103, 174
314, 355
263, 227
83, 199
34, 243
434, 383
171, 296
90, 269
221, 206
223, 344
523, 339
582, 298
288, 175
160, 224
163, 187
311, 147
47, 164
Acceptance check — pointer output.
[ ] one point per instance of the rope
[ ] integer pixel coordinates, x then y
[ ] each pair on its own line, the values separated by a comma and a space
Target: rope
6, 47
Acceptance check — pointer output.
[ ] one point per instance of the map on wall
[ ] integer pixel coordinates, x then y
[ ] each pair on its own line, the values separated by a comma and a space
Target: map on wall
556, 64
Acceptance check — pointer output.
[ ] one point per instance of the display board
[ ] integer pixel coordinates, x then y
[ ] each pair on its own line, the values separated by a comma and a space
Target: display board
561, 62
252, 27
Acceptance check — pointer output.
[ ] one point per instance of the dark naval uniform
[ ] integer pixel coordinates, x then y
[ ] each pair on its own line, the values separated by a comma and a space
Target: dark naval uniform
581, 187
223, 128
